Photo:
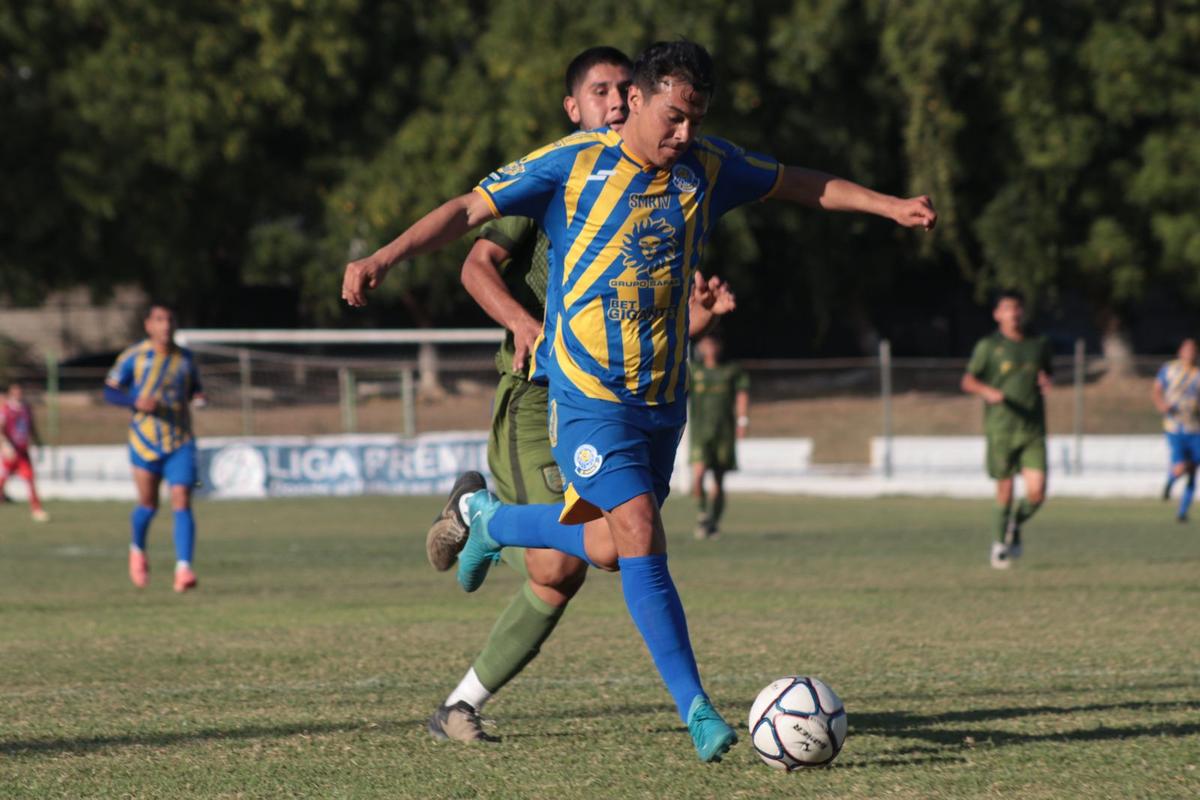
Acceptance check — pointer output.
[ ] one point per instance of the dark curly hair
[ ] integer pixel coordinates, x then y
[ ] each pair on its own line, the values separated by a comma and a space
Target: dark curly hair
684, 60
577, 70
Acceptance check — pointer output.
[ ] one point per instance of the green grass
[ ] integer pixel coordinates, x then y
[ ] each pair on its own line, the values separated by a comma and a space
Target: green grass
319, 641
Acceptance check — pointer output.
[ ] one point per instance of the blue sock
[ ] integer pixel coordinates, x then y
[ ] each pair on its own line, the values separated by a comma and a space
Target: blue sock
185, 535
139, 521
654, 605
536, 526
1189, 490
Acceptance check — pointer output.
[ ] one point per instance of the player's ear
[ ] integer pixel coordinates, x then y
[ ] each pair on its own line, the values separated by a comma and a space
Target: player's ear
572, 109
633, 96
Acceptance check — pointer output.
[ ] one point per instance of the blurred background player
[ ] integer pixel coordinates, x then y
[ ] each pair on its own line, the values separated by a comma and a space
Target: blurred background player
718, 415
17, 431
157, 379
1177, 397
506, 273
1011, 372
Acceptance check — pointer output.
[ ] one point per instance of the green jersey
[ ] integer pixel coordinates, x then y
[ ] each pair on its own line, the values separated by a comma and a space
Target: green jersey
711, 397
525, 273
1012, 367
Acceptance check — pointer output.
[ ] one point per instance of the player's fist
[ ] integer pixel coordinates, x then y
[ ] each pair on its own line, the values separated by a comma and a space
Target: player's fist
146, 404
915, 212
361, 275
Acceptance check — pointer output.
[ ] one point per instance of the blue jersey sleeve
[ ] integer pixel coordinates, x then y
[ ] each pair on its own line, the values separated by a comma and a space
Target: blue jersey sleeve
1163, 378
193, 388
525, 187
121, 374
742, 178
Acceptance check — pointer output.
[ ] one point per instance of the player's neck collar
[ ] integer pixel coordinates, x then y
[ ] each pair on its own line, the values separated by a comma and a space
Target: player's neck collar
641, 163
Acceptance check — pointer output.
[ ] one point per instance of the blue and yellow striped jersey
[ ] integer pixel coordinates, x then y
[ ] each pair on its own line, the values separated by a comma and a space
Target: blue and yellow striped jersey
625, 239
170, 378
1180, 385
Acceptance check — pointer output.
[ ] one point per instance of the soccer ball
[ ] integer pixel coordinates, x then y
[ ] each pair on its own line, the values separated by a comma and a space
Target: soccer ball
797, 722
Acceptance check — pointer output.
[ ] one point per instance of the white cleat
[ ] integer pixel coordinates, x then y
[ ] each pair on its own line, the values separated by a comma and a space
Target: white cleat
1000, 556
40, 516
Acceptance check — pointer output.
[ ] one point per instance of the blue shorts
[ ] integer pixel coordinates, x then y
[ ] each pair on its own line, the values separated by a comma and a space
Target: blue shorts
1184, 447
178, 466
610, 453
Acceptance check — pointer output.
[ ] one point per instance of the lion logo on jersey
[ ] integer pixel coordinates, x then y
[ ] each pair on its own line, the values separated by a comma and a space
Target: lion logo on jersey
649, 247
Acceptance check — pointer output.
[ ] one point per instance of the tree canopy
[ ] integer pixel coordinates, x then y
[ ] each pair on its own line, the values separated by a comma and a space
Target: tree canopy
203, 149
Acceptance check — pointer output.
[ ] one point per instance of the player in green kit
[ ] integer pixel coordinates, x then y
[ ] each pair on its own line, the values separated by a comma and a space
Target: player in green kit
718, 415
1010, 370
506, 273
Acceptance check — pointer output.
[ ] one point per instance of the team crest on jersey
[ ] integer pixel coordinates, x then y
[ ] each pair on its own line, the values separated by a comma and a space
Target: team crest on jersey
684, 179
513, 169
587, 460
649, 247
552, 423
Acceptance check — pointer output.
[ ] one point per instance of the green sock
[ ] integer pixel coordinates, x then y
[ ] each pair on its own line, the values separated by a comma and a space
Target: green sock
718, 507
1026, 510
516, 638
702, 503
1002, 513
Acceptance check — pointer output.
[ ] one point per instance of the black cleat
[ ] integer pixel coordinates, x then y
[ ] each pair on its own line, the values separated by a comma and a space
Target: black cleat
448, 533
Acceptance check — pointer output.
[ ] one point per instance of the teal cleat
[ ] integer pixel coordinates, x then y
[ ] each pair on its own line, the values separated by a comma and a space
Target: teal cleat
712, 735
481, 550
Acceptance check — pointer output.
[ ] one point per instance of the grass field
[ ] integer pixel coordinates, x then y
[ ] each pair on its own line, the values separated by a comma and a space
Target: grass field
319, 641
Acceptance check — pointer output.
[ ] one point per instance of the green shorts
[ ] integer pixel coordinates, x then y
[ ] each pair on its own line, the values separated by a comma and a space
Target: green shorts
523, 468
1009, 452
715, 452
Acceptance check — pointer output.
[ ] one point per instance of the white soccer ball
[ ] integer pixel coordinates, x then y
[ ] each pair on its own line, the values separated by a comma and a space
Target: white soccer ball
797, 722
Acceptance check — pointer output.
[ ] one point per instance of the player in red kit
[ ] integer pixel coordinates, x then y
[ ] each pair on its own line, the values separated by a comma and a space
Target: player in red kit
17, 430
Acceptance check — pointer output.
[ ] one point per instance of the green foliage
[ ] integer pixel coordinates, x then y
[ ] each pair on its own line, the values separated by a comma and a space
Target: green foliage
198, 147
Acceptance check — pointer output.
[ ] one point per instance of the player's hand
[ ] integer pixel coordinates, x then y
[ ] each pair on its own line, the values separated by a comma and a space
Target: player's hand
199, 400
1045, 382
366, 273
146, 404
525, 336
992, 396
915, 212
712, 294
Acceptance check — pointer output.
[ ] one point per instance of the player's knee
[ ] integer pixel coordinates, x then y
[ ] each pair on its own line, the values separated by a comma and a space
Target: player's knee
1037, 496
561, 573
181, 498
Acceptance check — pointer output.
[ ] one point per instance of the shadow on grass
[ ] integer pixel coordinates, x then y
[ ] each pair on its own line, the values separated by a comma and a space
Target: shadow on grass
946, 729
87, 744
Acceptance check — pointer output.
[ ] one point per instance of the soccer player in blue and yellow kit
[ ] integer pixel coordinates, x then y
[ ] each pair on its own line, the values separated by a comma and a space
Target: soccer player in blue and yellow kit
627, 216
158, 380
1176, 395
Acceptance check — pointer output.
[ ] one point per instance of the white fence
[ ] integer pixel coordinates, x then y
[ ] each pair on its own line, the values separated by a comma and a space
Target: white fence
1112, 466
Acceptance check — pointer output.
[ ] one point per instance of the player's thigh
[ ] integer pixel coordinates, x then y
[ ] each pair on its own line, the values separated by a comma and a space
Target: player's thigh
1032, 456
24, 467
179, 468
519, 454
146, 483
1191, 450
1001, 456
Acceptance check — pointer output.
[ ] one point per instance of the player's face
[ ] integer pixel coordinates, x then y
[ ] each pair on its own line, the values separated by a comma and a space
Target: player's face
1187, 351
664, 124
160, 326
1009, 314
599, 99
14, 393
709, 348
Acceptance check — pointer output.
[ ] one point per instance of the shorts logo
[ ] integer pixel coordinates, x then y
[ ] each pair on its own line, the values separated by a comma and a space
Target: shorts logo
684, 179
552, 423
587, 461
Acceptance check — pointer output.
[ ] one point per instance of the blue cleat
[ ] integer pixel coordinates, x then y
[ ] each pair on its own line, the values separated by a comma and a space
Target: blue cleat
481, 550
712, 735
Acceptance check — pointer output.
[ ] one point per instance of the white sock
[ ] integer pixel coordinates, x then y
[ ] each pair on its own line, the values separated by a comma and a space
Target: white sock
471, 690
182, 565
135, 548
462, 507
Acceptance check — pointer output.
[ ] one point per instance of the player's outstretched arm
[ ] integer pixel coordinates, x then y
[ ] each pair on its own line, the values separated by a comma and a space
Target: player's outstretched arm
831, 193
710, 299
431, 232
481, 278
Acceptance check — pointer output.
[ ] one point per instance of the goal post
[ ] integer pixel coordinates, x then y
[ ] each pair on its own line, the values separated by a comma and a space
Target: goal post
259, 369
